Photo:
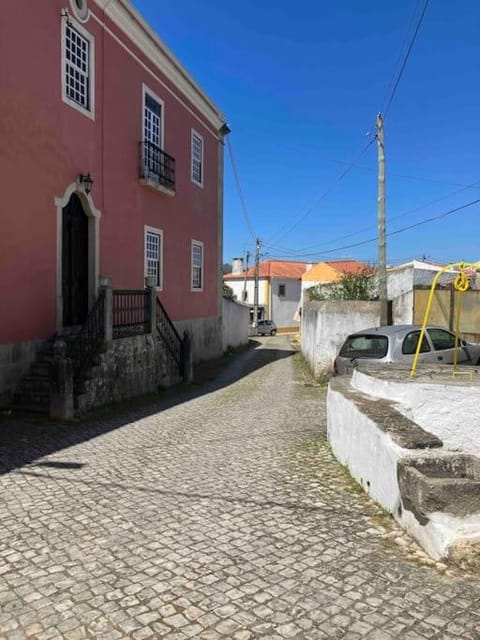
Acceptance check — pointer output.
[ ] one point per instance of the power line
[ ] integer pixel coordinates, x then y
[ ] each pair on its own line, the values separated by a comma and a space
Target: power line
403, 46
408, 177
302, 215
475, 184
299, 218
239, 190
407, 55
396, 232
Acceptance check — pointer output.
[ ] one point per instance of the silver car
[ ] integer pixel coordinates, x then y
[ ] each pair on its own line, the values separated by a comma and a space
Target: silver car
398, 343
266, 327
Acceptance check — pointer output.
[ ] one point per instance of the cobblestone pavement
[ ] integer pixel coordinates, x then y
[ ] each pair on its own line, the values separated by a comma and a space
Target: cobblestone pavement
223, 515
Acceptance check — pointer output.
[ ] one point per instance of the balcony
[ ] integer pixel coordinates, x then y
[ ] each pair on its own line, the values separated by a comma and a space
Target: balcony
157, 168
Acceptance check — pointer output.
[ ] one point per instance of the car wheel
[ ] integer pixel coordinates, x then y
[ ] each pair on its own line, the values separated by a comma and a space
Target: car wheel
478, 363
273, 332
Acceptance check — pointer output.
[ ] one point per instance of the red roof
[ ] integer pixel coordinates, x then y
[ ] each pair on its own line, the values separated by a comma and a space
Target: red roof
272, 269
332, 270
348, 266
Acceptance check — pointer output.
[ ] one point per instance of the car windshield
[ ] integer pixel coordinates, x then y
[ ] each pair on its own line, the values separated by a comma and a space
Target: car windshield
365, 346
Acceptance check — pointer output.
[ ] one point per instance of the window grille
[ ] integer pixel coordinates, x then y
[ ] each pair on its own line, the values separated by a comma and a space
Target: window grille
197, 159
77, 67
152, 256
197, 266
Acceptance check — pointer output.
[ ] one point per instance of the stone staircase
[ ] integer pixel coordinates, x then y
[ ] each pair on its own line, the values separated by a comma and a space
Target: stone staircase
89, 362
33, 391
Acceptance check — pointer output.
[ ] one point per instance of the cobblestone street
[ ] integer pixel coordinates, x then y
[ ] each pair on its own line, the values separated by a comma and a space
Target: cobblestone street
217, 513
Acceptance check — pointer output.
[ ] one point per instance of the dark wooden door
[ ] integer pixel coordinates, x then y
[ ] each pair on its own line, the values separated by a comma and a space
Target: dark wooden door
74, 263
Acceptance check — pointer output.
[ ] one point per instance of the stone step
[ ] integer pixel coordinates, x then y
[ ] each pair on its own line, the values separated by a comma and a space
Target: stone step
46, 345
33, 408
44, 357
40, 369
34, 384
32, 398
440, 483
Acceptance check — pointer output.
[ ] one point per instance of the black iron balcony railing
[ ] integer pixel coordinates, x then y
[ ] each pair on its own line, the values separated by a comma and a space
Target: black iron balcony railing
157, 166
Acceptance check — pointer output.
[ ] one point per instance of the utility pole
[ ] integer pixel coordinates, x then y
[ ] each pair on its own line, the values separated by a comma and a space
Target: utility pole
247, 258
382, 260
255, 290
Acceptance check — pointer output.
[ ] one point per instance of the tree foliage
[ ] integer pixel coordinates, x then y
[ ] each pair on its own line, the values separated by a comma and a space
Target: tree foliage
228, 292
351, 286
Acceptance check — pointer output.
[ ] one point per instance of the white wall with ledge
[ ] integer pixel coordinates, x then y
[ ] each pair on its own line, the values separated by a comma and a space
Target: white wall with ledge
450, 411
372, 456
325, 325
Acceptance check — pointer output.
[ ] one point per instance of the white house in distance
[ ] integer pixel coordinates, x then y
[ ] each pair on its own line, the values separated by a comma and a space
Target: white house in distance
279, 289
281, 285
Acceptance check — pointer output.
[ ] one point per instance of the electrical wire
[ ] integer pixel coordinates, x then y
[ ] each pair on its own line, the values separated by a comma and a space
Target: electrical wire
408, 177
401, 51
396, 232
302, 215
473, 185
239, 190
406, 57
299, 218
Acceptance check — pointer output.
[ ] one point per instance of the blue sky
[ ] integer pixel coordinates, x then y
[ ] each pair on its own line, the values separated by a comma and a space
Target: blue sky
300, 85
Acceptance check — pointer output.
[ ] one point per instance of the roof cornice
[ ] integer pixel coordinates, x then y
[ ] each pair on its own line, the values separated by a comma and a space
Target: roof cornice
130, 22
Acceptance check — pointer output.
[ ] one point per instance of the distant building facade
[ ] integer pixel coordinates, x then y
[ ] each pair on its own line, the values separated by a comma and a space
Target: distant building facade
279, 290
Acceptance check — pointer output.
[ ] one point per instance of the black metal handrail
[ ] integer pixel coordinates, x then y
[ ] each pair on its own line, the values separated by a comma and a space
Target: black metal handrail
170, 335
89, 341
157, 165
131, 312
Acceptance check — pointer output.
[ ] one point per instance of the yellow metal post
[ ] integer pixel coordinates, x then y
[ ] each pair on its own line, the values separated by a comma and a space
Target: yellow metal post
461, 284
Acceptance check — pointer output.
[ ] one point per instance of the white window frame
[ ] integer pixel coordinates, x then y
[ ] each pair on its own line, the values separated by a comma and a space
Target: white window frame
197, 243
74, 24
158, 232
146, 90
195, 134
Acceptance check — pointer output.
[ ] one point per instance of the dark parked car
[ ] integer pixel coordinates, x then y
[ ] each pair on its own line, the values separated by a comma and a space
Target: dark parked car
266, 327
398, 343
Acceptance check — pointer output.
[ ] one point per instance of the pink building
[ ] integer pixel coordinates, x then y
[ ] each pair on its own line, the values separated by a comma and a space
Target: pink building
111, 165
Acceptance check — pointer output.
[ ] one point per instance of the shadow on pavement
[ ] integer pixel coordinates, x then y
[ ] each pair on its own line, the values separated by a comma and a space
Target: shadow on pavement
26, 438
189, 496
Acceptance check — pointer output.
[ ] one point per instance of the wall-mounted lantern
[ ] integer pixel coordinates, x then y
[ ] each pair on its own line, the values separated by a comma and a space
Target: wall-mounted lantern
86, 181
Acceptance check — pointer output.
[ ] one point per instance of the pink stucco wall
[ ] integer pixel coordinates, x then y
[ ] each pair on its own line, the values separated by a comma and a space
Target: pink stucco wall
47, 143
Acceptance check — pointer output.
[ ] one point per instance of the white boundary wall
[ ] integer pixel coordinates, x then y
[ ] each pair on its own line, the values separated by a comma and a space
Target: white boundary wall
371, 457
370, 454
325, 325
236, 320
447, 410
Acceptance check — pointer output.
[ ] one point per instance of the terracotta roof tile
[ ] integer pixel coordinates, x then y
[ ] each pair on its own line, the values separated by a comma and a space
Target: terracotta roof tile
332, 270
272, 269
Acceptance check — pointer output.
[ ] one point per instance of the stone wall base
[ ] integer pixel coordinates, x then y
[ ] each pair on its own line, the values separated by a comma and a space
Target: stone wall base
128, 368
